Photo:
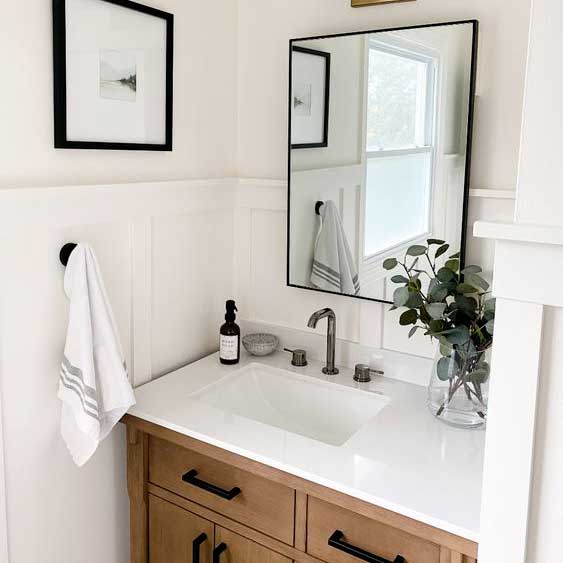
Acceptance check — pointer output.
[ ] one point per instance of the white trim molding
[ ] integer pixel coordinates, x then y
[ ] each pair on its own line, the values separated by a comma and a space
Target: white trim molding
527, 278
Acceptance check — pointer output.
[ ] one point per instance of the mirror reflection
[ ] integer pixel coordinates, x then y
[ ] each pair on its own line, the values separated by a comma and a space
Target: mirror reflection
378, 152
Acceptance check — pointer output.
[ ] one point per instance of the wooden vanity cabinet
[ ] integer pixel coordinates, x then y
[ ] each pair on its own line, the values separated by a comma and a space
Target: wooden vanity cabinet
194, 503
178, 536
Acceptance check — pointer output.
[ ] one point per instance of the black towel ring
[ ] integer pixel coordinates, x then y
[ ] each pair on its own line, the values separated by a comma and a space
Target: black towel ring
318, 205
65, 252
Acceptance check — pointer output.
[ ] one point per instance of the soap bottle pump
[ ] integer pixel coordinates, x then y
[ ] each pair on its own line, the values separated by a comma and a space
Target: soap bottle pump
229, 336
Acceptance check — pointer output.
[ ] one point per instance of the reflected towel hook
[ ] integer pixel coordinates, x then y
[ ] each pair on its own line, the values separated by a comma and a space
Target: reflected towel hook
65, 252
318, 205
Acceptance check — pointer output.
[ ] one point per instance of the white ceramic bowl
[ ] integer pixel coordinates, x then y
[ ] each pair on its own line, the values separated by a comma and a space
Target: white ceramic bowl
260, 343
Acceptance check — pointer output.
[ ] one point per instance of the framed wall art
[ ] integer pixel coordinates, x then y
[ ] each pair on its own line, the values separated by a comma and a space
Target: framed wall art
310, 82
113, 75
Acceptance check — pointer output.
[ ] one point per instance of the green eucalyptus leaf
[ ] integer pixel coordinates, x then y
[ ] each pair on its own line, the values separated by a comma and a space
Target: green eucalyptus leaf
472, 270
466, 288
477, 281
436, 310
489, 305
401, 295
399, 279
455, 255
445, 347
490, 326
445, 275
390, 263
452, 264
431, 241
481, 374
414, 300
441, 250
466, 304
438, 294
408, 317
458, 335
436, 326
443, 369
416, 250
412, 331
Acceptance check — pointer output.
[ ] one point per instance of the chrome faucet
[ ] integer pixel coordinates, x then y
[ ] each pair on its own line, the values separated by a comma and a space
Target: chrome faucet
330, 368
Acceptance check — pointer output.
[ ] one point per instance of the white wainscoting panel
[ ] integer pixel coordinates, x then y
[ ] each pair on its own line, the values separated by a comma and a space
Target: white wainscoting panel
165, 251
527, 281
260, 267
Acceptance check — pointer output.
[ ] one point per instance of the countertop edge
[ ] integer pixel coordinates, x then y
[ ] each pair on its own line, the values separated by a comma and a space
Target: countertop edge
471, 535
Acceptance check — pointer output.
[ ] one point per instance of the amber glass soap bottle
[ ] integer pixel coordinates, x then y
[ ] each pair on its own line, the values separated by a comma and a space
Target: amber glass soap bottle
229, 336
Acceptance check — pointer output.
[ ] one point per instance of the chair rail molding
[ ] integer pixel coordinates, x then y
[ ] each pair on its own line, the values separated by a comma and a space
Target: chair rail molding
527, 278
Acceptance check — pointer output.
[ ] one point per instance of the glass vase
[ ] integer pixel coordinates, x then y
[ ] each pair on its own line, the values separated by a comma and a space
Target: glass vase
458, 388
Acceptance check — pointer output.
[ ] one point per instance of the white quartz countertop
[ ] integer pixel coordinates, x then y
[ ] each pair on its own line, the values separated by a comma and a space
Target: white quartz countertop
403, 459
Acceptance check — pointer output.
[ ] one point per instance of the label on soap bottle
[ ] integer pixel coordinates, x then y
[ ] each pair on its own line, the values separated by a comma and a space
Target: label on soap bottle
228, 347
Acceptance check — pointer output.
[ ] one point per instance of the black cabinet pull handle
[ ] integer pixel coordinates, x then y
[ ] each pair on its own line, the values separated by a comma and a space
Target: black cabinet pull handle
196, 547
336, 540
191, 479
217, 552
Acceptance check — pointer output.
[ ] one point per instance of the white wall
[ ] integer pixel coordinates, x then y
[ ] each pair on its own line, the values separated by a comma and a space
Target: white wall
540, 169
266, 25
205, 50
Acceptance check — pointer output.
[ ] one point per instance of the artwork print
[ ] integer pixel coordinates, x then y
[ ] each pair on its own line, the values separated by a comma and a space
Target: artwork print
118, 75
302, 99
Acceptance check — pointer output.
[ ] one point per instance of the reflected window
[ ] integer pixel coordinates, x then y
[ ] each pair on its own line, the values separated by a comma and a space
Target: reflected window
400, 107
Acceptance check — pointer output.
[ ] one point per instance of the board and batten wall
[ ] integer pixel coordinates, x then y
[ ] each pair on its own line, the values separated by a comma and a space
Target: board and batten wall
165, 254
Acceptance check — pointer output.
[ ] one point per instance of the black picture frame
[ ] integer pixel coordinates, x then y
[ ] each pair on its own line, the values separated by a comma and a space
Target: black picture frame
327, 60
468, 160
60, 81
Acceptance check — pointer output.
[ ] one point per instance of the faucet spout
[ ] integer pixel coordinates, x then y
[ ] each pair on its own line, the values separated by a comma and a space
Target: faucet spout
329, 368
318, 315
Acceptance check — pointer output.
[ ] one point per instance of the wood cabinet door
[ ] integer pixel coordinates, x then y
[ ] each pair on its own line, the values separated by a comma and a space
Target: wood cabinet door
237, 549
173, 531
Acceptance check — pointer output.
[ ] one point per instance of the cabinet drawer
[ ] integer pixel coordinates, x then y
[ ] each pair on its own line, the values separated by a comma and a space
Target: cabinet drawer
324, 519
258, 503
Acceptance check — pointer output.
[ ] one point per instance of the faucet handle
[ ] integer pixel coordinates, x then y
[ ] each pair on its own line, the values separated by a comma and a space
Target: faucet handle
362, 373
299, 357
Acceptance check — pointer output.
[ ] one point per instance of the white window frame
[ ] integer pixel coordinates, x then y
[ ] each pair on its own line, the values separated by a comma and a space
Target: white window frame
414, 51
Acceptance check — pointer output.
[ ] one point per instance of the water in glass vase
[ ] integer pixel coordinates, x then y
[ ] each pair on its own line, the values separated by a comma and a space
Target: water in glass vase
458, 388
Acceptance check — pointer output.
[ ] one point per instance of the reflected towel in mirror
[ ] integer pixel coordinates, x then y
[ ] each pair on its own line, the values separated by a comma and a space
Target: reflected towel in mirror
333, 267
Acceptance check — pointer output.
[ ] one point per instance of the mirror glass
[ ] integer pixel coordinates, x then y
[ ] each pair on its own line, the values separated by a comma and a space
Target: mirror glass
379, 152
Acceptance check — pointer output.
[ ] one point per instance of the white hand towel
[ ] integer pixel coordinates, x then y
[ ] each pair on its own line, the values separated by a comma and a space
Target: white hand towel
93, 386
333, 266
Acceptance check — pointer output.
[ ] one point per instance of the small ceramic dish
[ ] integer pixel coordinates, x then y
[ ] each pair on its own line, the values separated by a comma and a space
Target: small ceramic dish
260, 344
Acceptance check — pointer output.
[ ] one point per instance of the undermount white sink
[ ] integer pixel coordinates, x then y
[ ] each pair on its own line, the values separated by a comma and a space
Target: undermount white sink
304, 405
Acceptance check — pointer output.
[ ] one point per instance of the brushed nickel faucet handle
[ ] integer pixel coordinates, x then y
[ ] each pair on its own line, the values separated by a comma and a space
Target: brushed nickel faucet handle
362, 373
299, 357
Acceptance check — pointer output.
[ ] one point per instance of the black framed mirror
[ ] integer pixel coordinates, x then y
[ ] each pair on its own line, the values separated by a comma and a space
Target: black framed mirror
379, 149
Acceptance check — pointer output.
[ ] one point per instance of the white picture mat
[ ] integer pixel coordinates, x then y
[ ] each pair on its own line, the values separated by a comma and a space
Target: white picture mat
93, 26
309, 69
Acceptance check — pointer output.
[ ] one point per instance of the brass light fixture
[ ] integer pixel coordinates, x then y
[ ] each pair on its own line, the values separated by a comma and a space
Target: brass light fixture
361, 3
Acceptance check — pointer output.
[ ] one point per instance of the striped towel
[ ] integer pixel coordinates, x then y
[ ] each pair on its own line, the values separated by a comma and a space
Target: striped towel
333, 267
93, 384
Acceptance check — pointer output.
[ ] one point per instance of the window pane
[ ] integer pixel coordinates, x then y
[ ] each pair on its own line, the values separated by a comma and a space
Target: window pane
396, 101
396, 200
